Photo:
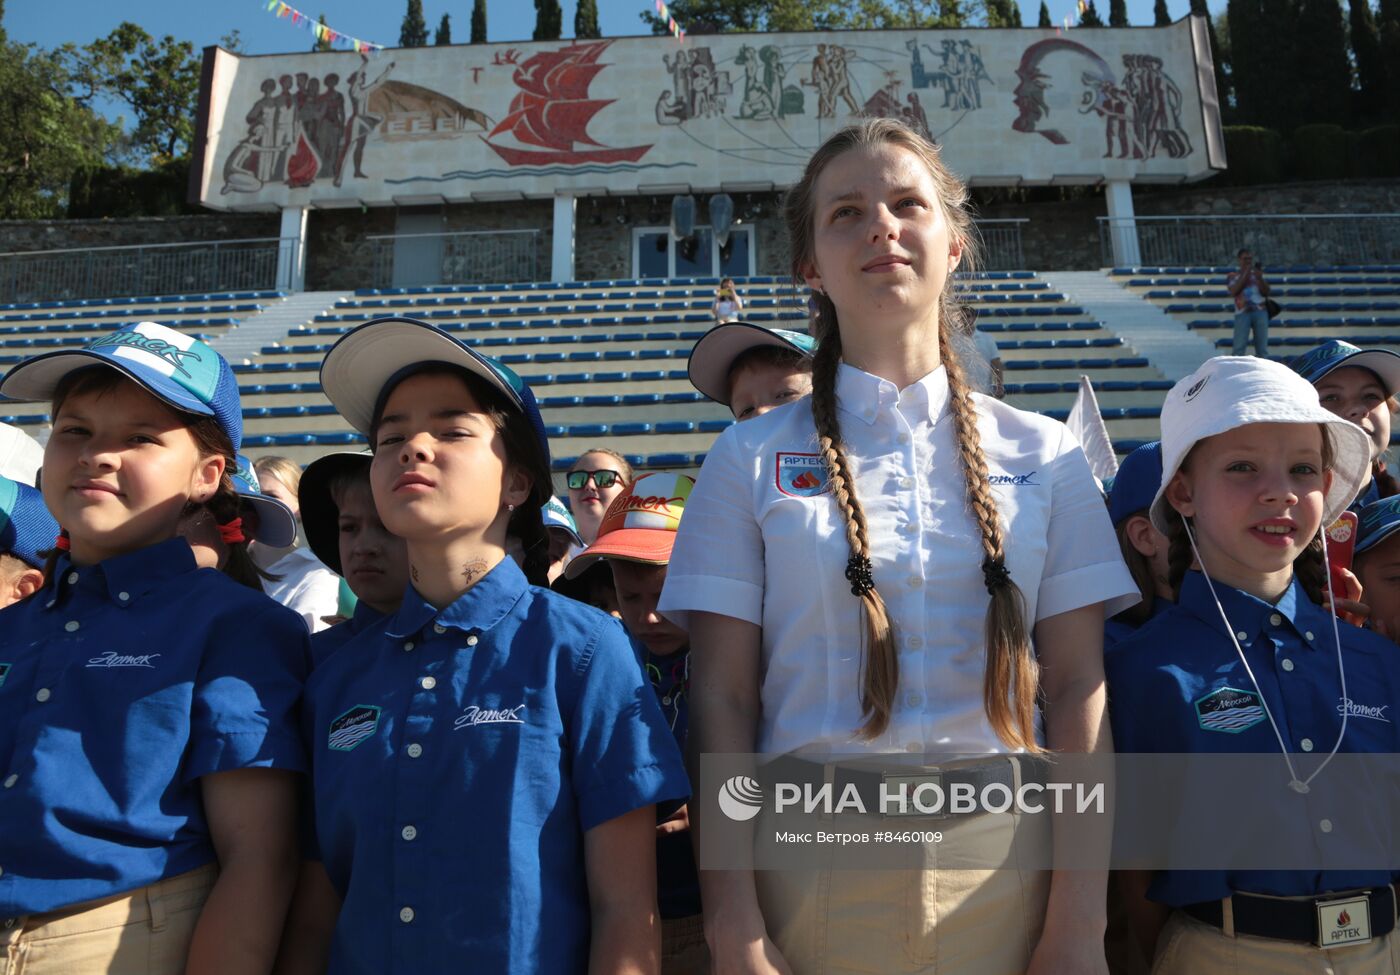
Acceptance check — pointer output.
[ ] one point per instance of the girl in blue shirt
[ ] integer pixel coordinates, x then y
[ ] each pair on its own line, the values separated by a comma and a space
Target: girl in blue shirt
1247, 661
486, 759
147, 706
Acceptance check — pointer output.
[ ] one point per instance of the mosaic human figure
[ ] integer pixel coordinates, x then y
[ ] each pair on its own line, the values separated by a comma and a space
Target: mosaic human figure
360, 123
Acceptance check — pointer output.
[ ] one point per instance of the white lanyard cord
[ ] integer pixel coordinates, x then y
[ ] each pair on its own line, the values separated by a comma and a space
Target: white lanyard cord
1294, 783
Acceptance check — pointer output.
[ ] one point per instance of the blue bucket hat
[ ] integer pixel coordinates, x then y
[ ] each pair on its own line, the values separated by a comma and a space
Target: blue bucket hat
713, 355
370, 360
1376, 522
1313, 364
1136, 483
26, 527
178, 369
277, 526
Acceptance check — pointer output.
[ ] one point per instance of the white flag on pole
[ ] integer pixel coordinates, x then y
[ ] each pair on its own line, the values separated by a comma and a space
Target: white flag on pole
1086, 422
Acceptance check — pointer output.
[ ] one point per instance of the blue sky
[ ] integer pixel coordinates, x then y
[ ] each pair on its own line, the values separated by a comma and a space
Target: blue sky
49, 23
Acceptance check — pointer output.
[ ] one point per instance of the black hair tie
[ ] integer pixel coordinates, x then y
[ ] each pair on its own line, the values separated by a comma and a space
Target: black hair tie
860, 575
995, 574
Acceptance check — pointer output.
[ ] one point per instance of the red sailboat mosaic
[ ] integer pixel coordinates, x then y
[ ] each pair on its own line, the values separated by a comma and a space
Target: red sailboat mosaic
548, 118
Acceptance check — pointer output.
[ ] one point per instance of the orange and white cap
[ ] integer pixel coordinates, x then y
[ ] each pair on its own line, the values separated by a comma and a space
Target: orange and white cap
640, 525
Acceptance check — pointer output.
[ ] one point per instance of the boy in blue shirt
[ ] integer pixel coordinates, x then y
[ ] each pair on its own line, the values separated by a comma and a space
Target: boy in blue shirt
26, 530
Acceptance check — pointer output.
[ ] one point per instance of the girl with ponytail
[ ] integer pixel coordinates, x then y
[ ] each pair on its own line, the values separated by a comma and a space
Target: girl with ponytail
148, 706
909, 568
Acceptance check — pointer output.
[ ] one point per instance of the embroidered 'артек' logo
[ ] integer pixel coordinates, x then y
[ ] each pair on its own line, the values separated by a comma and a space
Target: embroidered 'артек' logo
113, 659
474, 715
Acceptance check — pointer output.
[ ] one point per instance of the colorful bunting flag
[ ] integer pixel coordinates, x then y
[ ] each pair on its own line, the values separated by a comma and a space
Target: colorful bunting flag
321, 31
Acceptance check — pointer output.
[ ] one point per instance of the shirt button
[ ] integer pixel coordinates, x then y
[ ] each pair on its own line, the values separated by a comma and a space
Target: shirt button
1241, 635
913, 700
406, 915
409, 833
43, 695
915, 582
903, 438
414, 750
72, 578
10, 780
1307, 744
906, 483
472, 640
408, 645
914, 746
71, 626
911, 529
1325, 825
439, 628
1275, 619
428, 683
1308, 636
123, 596
914, 642
1287, 664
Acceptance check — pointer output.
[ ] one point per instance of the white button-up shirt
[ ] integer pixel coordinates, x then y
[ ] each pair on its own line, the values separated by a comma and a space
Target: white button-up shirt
763, 541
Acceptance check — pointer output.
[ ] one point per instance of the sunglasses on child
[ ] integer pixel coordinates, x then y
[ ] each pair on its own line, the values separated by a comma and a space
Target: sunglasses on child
578, 480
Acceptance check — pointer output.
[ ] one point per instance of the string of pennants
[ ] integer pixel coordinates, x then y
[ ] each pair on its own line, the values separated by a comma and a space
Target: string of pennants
665, 12
1072, 20
320, 30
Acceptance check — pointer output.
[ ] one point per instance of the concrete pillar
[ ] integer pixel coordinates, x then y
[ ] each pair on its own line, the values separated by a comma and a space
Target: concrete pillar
1122, 224
291, 252
561, 266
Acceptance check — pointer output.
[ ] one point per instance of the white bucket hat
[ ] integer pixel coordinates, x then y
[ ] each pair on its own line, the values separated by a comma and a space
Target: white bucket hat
1233, 391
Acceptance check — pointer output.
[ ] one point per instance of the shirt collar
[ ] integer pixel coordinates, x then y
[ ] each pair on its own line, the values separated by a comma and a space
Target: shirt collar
1371, 495
1249, 615
127, 577
478, 609
864, 396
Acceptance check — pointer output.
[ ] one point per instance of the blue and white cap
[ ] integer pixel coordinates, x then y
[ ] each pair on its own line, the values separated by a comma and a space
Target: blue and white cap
557, 516
713, 355
1317, 362
176, 368
1376, 522
1136, 483
277, 526
369, 360
26, 527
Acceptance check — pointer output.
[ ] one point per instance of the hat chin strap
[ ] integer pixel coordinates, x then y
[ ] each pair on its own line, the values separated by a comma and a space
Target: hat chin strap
1300, 786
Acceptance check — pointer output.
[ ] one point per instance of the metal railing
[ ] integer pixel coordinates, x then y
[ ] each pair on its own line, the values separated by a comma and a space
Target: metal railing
466, 257
248, 264
1001, 244
1275, 239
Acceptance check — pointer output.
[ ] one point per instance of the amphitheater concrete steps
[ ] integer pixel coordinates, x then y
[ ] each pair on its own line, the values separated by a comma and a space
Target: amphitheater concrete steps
1172, 348
274, 323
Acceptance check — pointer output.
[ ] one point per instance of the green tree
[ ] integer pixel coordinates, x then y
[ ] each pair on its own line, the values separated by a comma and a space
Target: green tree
1370, 61
479, 22
1160, 16
1090, 17
157, 79
1117, 13
323, 41
414, 30
1322, 71
49, 135
586, 19
443, 36
233, 42
549, 20
1045, 16
730, 16
1015, 14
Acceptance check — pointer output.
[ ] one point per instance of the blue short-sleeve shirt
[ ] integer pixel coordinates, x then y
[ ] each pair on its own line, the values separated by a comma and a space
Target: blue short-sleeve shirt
121, 685
459, 756
1177, 686
328, 641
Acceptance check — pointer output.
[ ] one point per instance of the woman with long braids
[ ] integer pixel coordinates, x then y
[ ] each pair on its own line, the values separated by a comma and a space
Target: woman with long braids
897, 565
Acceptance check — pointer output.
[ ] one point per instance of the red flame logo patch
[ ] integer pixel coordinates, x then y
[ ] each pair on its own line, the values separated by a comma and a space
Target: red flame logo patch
1343, 919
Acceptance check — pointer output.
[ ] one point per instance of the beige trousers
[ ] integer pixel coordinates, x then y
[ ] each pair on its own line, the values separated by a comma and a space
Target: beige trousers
144, 932
1191, 947
944, 918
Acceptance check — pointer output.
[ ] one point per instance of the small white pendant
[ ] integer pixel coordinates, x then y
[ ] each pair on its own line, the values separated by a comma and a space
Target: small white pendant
1299, 787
